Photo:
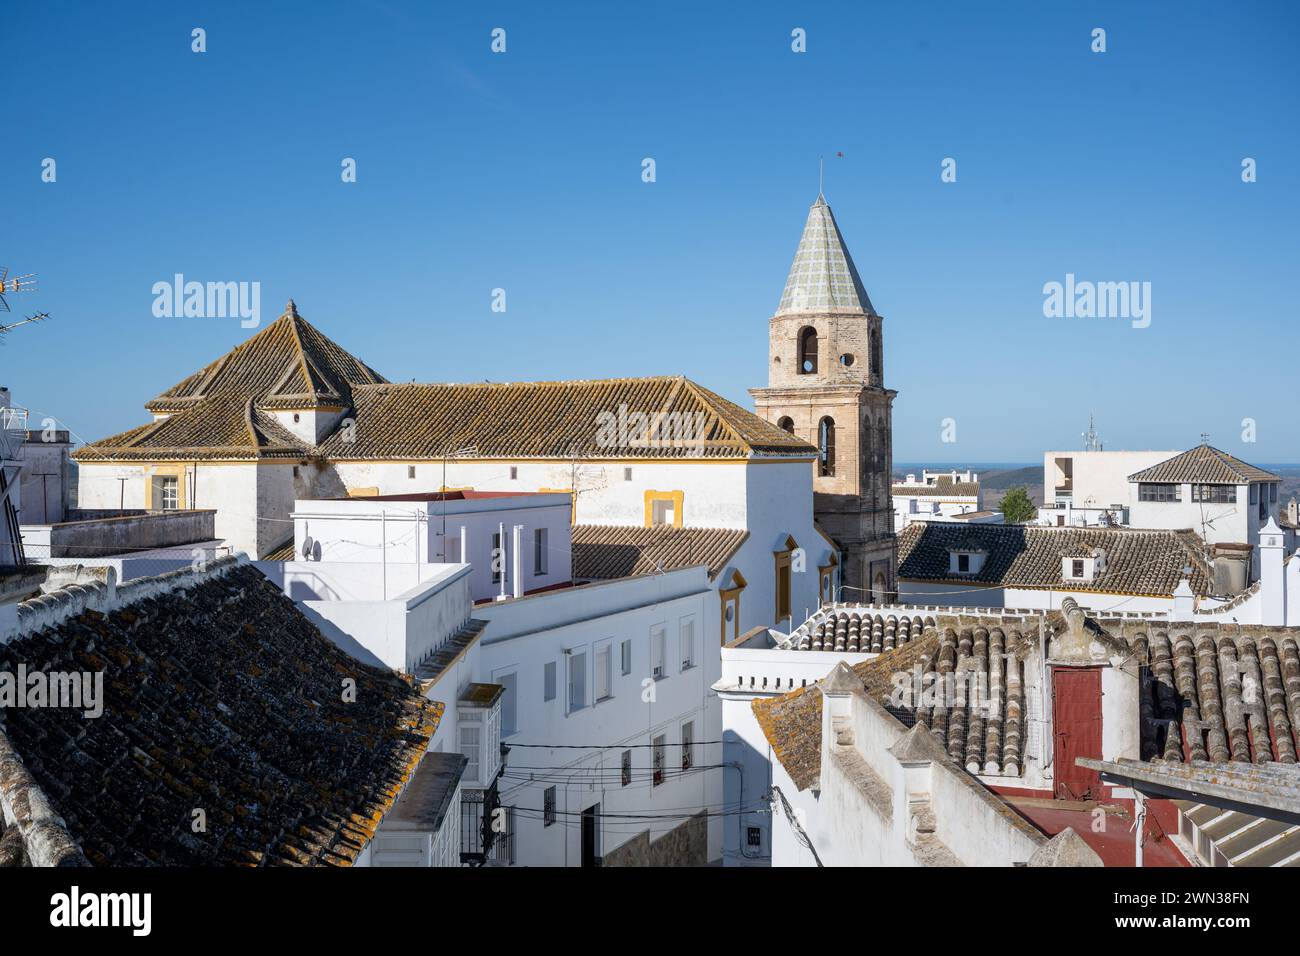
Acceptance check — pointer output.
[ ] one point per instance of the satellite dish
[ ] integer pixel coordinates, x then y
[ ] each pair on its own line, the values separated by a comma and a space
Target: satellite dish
307, 546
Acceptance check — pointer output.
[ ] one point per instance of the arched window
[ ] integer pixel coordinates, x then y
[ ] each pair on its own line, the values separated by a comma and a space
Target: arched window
826, 446
807, 350
786, 424
876, 356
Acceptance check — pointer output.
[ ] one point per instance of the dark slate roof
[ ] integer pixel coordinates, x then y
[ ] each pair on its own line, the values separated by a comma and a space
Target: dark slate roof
1204, 464
1138, 561
978, 734
1231, 695
220, 696
603, 552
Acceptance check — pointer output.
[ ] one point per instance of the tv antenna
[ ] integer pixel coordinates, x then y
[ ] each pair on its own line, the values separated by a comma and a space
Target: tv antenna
25, 283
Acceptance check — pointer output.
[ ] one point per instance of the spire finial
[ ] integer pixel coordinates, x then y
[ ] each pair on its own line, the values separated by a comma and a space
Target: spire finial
821, 176
291, 309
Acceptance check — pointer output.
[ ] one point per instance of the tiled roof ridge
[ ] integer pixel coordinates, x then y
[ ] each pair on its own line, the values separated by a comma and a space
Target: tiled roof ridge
55, 607
30, 831
303, 339
618, 379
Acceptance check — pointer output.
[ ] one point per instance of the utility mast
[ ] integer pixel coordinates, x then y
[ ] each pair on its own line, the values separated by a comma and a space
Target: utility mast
13, 432
1091, 440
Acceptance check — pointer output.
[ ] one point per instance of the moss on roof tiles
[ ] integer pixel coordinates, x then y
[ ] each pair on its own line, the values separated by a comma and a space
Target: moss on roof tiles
222, 698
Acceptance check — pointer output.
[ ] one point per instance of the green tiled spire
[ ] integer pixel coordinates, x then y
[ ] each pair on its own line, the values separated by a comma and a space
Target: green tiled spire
823, 277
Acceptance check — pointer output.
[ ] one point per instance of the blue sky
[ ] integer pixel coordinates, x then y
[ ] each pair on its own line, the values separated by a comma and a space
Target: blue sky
522, 171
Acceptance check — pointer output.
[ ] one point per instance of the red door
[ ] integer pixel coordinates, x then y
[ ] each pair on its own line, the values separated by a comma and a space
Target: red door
1076, 722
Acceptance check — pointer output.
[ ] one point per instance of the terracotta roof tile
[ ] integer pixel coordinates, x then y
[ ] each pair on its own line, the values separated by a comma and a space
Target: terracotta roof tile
1204, 464
1138, 561
559, 420
609, 551
1217, 693
221, 697
978, 736
289, 364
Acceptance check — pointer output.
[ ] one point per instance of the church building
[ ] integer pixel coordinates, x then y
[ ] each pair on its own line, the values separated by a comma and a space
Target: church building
826, 385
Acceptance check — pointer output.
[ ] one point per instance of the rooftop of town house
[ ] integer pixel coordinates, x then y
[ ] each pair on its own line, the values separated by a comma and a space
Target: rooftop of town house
1185, 715
1139, 561
604, 552
942, 487
1203, 464
220, 694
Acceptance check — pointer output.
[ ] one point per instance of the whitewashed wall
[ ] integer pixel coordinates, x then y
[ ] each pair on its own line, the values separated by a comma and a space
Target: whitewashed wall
524, 634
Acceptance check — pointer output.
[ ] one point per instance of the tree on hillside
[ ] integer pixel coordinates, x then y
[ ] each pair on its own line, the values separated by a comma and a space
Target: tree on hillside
1017, 507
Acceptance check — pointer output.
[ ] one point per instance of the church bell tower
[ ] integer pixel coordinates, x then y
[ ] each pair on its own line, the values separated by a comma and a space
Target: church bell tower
826, 385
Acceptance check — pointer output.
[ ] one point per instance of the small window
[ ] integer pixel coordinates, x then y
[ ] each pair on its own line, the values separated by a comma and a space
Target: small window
657, 760
625, 657
410, 471
786, 424
626, 767
470, 736
295, 418
168, 490
514, 473
1215, 494
295, 471
687, 637
577, 681
661, 511
754, 836
688, 745
627, 474
783, 591
548, 806
807, 350
1159, 491
1254, 493
539, 550
1076, 567
658, 652
509, 703
963, 563
847, 360
826, 447
603, 674
548, 681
